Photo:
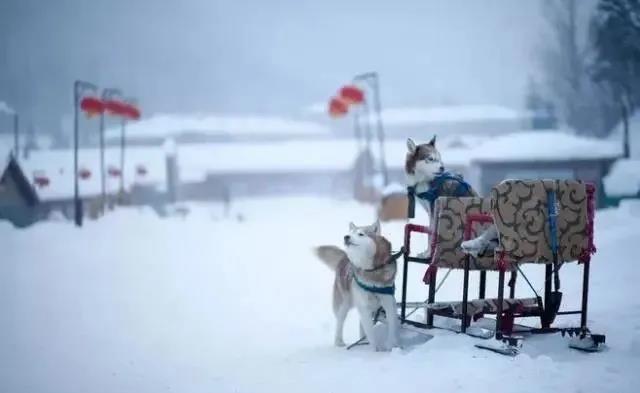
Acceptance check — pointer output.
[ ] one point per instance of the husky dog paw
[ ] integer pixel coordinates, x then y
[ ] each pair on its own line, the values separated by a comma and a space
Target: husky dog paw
392, 344
339, 343
474, 246
382, 348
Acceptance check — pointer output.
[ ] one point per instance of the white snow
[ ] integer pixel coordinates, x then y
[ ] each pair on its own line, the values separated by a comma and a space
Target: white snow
4, 108
317, 108
196, 161
446, 114
57, 165
544, 145
168, 125
623, 178
197, 303
394, 188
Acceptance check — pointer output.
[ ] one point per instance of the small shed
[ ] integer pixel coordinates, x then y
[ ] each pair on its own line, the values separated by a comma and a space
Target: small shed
18, 198
394, 203
543, 155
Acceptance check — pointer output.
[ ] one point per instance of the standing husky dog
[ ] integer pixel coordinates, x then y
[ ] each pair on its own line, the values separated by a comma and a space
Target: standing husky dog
427, 180
364, 279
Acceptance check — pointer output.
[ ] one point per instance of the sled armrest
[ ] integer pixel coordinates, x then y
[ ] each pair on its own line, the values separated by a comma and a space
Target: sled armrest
482, 218
408, 229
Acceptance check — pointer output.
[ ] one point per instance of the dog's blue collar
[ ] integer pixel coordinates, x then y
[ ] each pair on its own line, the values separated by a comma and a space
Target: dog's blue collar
388, 290
435, 187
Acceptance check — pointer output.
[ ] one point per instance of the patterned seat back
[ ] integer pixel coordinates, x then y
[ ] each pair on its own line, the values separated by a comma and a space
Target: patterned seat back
451, 215
521, 214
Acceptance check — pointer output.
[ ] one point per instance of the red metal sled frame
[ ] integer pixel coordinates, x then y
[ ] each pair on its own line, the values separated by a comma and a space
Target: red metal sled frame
486, 218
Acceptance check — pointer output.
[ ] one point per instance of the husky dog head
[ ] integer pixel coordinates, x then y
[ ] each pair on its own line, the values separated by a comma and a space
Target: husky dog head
423, 161
365, 246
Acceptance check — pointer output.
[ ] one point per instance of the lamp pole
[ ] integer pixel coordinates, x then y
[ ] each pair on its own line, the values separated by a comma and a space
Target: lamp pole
79, 87
123, 145
106, 95
373, 81
16, 133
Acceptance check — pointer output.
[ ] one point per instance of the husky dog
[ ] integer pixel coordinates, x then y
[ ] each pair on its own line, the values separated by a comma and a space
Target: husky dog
428, 180
364, 279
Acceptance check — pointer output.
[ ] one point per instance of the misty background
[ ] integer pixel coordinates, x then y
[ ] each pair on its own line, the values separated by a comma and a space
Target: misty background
260, 57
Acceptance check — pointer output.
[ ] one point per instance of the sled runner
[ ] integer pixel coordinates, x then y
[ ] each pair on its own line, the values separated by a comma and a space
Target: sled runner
543, 222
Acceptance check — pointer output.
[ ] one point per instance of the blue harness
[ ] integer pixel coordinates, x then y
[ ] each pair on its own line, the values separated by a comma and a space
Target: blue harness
390, 290
435, 187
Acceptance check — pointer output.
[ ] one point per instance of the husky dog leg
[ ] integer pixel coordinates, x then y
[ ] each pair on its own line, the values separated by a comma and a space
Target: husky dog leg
366, 321
393, 324
341, 314
337, 260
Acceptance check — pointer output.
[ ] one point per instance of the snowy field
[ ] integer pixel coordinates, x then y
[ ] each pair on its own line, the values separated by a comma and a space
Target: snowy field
203, 303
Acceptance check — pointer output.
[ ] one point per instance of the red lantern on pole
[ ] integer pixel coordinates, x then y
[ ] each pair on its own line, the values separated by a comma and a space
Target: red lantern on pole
92, 106
352, 94
84, 173
131, 112
337, 107
40, 179
114, 172
115, 107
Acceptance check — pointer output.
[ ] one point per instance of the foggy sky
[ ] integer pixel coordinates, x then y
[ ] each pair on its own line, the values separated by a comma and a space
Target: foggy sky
264, 56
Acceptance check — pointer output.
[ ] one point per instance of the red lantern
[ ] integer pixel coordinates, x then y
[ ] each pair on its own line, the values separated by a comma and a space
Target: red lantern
132, 112
352, 94
84, 173
337, 107
91, 106
114, 172
40, 179
141, 170
115, 107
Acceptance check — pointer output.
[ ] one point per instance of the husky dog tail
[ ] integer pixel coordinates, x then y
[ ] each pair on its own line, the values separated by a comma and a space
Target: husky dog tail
330, 255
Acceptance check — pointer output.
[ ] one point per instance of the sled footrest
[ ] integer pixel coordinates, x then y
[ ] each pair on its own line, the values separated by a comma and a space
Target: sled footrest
519, 307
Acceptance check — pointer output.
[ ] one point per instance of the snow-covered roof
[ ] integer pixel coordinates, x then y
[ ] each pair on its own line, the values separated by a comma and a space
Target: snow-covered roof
394, 189
197, 161
550, 145
446, 114
166, 125
623, 178
4, 108
57, 166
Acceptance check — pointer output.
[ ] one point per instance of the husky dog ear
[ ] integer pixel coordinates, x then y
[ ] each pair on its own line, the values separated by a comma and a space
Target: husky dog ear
375, 227
352, 226
411, 146
432, 142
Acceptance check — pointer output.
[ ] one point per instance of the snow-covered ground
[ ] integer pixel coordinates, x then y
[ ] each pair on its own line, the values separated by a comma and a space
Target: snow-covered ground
203, 303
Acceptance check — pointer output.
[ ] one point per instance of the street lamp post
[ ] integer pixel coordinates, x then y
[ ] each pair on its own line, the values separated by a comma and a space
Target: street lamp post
106, 95
16, 133
79, 87
372, 80
123, 144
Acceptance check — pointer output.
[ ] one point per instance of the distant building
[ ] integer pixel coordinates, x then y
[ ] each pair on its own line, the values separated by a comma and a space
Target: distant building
623, 181
340, 168
18, 199
543, 155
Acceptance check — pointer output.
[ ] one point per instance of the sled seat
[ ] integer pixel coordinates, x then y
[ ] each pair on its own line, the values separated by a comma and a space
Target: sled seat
478, 307
521, 214
449, 227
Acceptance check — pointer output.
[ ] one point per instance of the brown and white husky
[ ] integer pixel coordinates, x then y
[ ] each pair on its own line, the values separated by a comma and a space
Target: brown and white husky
423, 164
364, 279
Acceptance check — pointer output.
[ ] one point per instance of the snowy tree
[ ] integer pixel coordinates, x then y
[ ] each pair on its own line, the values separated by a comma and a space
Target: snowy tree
583, 104
615, 35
